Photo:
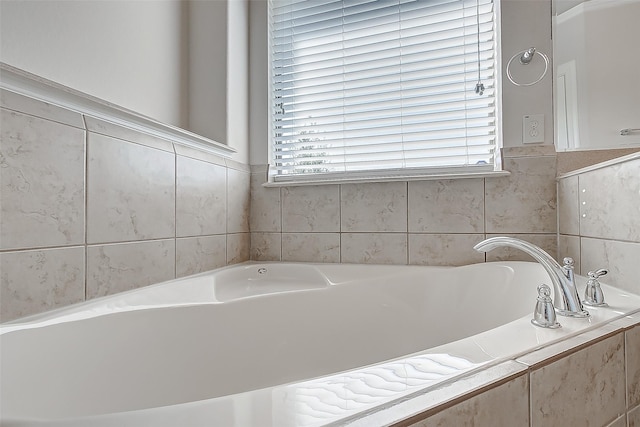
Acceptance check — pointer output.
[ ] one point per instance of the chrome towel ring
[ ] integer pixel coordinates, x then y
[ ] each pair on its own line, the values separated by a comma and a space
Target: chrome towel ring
526, 56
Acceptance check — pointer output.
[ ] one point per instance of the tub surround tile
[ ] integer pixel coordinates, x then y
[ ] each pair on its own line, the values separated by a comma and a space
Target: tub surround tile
35, 281
633, 417
620, 258
620, 422
266, 246
585, 388
448, 206
569, 246
632, 351
311, 208
525, 201
266, 212
568, 206
42, 175
548, 242
201, 198
199, 254
131, 191
121, 267
106, 128
184, 151
23, 104
238, 201
373, 248
373, 207
444, 249
609, 204
488, 408
238, 248
311, 247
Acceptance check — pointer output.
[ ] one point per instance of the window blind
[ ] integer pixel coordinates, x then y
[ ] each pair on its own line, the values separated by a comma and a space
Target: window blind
380, 86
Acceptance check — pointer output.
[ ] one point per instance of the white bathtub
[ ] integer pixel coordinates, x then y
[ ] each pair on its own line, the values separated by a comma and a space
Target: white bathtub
273, 344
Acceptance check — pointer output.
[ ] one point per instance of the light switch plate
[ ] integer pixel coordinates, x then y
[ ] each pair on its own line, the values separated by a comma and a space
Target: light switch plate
533, 128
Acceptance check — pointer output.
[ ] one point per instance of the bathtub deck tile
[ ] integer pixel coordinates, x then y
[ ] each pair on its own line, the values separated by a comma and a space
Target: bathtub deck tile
632, 344
586, 388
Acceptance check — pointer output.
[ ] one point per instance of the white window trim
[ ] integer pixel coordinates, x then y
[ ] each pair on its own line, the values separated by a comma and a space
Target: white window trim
496, 170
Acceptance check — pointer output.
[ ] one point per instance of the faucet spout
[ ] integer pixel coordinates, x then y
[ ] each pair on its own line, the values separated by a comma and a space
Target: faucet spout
565, 294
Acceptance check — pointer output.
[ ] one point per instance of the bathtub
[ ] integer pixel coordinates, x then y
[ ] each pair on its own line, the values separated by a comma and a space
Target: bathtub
274, 344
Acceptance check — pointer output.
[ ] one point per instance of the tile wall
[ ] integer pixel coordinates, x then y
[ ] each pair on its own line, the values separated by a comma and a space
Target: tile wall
590, 380
416, 222
89, 208
599, 220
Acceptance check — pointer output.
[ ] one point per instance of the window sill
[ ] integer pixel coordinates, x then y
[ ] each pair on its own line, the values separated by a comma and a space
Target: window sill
395, 178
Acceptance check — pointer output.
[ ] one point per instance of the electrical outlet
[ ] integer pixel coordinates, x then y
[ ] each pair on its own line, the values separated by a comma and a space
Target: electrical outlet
533, 128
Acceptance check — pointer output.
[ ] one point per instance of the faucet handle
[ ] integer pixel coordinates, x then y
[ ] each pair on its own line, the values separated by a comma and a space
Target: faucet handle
544, 314
597, 273
568, 262
593, 295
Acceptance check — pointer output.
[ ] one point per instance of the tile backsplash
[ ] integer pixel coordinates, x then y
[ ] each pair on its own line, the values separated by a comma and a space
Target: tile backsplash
417, 222
90, 208
599, 220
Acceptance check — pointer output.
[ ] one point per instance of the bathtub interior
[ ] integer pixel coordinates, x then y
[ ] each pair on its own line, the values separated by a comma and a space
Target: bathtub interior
146, 353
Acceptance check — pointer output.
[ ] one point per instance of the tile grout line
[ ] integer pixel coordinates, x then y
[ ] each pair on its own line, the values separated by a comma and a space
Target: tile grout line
86, 207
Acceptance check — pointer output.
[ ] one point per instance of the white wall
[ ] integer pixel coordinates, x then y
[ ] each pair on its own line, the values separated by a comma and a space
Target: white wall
129, 53
174, 61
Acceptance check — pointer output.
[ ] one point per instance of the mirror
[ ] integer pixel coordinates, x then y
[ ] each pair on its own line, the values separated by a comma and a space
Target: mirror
596, 68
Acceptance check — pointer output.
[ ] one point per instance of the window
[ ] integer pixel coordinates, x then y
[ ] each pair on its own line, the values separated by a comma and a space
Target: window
381, 88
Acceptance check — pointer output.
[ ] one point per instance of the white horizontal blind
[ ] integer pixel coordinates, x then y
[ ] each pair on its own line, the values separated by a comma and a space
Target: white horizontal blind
366, 86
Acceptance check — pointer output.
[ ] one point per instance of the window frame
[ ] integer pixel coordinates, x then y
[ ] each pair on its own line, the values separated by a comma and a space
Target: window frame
390, 175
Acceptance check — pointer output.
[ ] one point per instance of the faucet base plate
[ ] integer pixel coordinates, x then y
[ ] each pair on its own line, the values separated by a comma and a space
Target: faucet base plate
567, 313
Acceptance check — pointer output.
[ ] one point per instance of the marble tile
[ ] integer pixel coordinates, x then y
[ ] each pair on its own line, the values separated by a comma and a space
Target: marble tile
633, 417
266, 246
238, 248
201, 198
448, 206
609, 202
568, 209
124, 266
374, 207
569, 246
238, 201
620, 422
34, 107
265, 214
104, 127
35, 281
632, 350
525, 201
444, 249
311, 247
198, 254
193, 153
311, 208
373, 248
488, 408
131, 191
42, 175
529, 150
620, 258
548, 242
585, 388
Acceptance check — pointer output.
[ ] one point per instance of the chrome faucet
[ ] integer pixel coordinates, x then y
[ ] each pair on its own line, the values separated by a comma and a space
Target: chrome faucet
565, 293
